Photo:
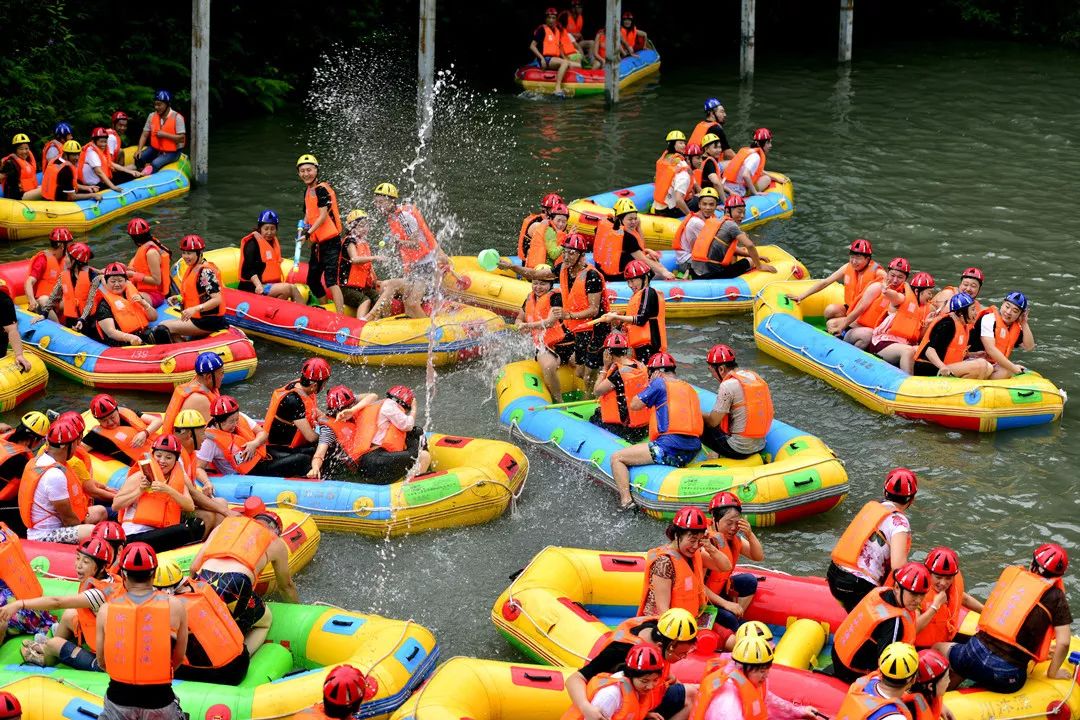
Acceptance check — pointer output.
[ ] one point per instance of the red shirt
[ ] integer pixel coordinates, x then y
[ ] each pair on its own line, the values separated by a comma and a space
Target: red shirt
38, 266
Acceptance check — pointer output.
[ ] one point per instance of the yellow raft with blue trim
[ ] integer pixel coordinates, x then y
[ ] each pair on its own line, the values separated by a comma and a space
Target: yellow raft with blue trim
18, 386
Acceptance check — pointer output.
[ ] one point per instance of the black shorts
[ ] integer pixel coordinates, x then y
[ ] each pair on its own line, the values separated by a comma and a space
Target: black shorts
237, 592
213, 323
629, 434
564, 352
925, 369
723, 272
353, 296
717, 440
323, 266
589, 346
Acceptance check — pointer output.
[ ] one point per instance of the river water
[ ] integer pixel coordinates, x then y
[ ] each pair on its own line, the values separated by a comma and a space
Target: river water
950, 154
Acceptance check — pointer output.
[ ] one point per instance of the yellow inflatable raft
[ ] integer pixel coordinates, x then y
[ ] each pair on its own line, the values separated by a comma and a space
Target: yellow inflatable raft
16, 386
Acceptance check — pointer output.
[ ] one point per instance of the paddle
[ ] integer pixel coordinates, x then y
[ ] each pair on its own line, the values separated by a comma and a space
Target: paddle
297, 250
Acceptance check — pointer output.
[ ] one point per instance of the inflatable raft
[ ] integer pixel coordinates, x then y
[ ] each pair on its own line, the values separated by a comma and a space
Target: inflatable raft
285, 676
16, 386
460, 332
797, 475
503, 293
794, 333
25, 219
659, 231
583, 81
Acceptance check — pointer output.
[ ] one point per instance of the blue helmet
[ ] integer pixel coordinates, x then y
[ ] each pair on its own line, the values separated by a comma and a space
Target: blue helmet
1018, 299
164, 96
62, 129
711, 104
268, 216
960, 301
208, 362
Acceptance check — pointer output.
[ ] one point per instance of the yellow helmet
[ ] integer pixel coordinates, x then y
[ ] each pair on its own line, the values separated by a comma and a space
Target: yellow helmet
543, 269
36, 423
751, 629
190, 418
709, 139
709, 192
755, 651
20, 139
307, 159
675, 135
354, 215
677, 624
624, 205
72, 146
387, 189
168, 574
899, 661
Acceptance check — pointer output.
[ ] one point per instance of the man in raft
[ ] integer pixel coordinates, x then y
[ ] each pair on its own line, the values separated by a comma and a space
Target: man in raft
720, 240
971, 282
573, 23
60, 178
200, 392
879, 297
235, 444
554, 49
322, 228
945, 349
293, 415
166, 132
120, 433
739, 422
344, 690
541, 315
713, 124
857, 274
999, 331
623, 378
745, 173
883, 695
260, 261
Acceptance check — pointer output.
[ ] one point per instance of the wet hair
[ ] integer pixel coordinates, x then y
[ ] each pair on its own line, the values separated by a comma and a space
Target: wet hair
22, 434
720, 512
899, 499
632, 673
759, 143
334, 710
728, 365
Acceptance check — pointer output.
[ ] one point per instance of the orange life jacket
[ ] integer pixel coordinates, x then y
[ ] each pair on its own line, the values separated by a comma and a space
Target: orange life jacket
31, 476
695, 182
54, 143
75, 294
49, 187
1005, 336
733, 169
536, 254
141, 264
189, 288
551, 47
574, 24
699, 133
945, 623
958, 347
105, 167
361, 275
683, 411
751, 696
428, 244
859, 704
565, 44
577, 300
27, 171
311, 411
180, 395
138, 647
700, 250
10, 451
863, 527
858, 627
758, 403
211, 623
86, 627
114, 155
601, 44
641, 335
122, 435
633, 707
909, 318
153, 508
168, 125
15, 570
1016, 594
717, 580
238, 538
232, 445
688, 587
538, 309
635, 380
269, 253
953, 289
607, 248
50, 277
874, 314
921, 709
355, 434
666, 169
128, 314
630, 36
855, 284
332, 227
676, 239
623, 632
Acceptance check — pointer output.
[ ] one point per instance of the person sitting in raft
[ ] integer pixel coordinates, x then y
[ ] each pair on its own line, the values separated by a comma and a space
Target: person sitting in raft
1026, 613
931, 683
18, 446
96, 167
293, 416
45, 269
344, 690
60, 178
54, 148
541, 314
877, 540
584, 303
115, 148
629, 693
646, 329
674, 571
884, 616
322, 228
68, 301
712, 167
359, 285
199, 393
149, 268
945, 347
9, 321
619, 243
154, 496
696, 157
260, 261
673, 179
123, 315
745, 174
713, 124
939, 619
599, 44
883, 695
550, 44
542, 243
1002, 330
897, 335
53, 505
573, 23
235, 444
739, 422
166, 132
19, 171
724, 544
201, 299
675, 426
877, 300
120, 433
79, 463
623, 378
634, 37
190, 429
857, 273
532, 250
230, 560
718, 243
738, 691
971, 282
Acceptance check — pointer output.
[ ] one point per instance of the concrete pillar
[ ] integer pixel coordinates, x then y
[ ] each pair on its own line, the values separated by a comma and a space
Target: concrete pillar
198, 137
847, 12
611, 68
426, 67
746, 55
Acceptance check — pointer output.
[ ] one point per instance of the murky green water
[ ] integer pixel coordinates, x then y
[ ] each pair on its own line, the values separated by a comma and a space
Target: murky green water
950, 155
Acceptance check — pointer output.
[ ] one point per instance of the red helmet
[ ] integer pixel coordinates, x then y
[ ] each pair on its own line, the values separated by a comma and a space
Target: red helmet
344, 686
63, 433
339, 397
901, 482
861, 247
102, 406
932, 665
628, 15
575, 241
690, 518
272, 516
720, 355
98, 132
95, 547
973, 272
734, 201
645, 657
942, 561
616, 339
900, 264
60, 234
725, 499
922, 281
551, 200
192, 243
315, 369
762, 134
110, 531
402, 394
9, 705
115, 269
75, 418
80, 252
138, 557
120, 115
1052, 558
559, 209
224, 406
693, 149
913, 577
137, 226
168, 443
662, 360
636, 268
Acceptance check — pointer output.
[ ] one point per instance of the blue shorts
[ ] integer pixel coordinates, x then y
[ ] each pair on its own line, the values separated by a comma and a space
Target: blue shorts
976, 662
663, 454
674, 701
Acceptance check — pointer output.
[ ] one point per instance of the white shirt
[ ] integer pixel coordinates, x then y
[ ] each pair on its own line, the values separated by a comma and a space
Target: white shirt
211, 454
391, 413
93, 160
689, 236
608, 699
986, 325
51, 488
750, 165
875, 556
114, 145
679, 185
51, 153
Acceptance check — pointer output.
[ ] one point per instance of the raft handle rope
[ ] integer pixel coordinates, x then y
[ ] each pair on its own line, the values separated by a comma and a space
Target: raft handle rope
137, 361
79, 210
